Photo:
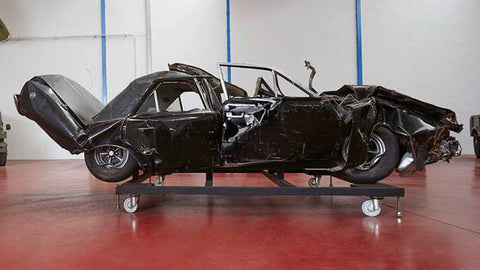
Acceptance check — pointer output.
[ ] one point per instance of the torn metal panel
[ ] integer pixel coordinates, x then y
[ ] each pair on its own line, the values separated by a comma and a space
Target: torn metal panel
425, 127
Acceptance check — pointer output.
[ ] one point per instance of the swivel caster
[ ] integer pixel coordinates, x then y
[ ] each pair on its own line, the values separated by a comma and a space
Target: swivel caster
371, 207
314, 181
131, 204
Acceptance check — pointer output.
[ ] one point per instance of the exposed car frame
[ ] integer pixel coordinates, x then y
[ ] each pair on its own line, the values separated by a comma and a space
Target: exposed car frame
275, 74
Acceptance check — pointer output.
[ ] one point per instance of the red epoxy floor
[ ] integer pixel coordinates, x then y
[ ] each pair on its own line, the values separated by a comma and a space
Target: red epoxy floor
54, 215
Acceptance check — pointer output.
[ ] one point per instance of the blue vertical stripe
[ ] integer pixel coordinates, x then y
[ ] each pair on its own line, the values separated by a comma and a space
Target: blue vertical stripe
358, 16
104, 54
229, 59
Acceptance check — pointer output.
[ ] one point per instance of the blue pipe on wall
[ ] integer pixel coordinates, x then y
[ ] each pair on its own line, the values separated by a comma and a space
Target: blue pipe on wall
358, 17
104, 53
229, 69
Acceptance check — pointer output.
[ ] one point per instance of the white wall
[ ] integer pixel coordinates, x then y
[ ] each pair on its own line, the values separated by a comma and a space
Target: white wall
188, 31
283, 33
126, 57
429, 49
77, 58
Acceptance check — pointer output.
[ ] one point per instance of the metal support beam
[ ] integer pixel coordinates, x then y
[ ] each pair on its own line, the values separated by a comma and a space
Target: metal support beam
278, 178
208, 179
374, 190
358, 19
104, 52
229, 58
148, 35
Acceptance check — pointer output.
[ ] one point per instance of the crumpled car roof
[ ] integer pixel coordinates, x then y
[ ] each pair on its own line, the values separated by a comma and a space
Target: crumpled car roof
126, 101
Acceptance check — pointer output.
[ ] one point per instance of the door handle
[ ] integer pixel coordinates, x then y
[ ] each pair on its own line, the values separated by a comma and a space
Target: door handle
145, 129
230, 115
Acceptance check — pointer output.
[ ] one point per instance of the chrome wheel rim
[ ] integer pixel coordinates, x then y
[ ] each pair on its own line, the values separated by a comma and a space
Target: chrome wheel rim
111, 157
376, 149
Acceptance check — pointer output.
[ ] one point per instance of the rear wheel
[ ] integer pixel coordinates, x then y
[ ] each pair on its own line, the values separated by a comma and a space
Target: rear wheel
383, 155
476, 145
110, 163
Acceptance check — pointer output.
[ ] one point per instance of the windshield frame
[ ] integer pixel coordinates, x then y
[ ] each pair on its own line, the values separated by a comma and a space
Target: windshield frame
275, 73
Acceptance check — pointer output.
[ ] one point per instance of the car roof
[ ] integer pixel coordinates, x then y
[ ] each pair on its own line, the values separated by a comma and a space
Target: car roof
128, 99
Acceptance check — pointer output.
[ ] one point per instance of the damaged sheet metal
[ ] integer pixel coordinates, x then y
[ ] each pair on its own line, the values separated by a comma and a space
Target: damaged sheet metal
328, 133
423, 128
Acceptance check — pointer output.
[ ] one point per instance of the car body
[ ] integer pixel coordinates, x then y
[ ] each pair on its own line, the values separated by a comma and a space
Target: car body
153, 122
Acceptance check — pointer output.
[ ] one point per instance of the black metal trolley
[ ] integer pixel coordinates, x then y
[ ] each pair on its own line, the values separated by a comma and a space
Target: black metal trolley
371, 207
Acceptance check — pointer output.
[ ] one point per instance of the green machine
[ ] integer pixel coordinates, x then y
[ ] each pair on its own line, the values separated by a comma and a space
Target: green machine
4, 34
3, 144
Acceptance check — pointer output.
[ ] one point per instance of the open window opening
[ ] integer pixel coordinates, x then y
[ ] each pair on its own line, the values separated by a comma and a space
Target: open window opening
175, 96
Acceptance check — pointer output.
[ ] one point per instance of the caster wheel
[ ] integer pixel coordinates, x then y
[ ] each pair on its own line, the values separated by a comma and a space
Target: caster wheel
369, 209
131, 204
314, 182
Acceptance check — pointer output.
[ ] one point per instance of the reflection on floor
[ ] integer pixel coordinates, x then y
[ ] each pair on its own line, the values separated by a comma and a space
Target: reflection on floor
55, 214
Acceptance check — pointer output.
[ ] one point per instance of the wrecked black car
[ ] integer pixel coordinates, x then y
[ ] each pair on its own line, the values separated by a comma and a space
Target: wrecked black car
187, 120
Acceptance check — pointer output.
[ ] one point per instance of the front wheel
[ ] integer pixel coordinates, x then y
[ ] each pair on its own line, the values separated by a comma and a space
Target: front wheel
383, 156
110, 163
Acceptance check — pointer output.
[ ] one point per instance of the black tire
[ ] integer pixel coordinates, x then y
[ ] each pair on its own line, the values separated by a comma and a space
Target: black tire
382, 168
3, 159
108, 172
476, 145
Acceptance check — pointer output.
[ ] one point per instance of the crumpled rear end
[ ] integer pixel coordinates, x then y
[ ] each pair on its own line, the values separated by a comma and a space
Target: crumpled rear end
423, 128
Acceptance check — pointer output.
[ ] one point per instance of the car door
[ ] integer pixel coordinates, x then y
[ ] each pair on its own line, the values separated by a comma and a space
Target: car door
275, 125
316, 121
318, 124
176, 127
